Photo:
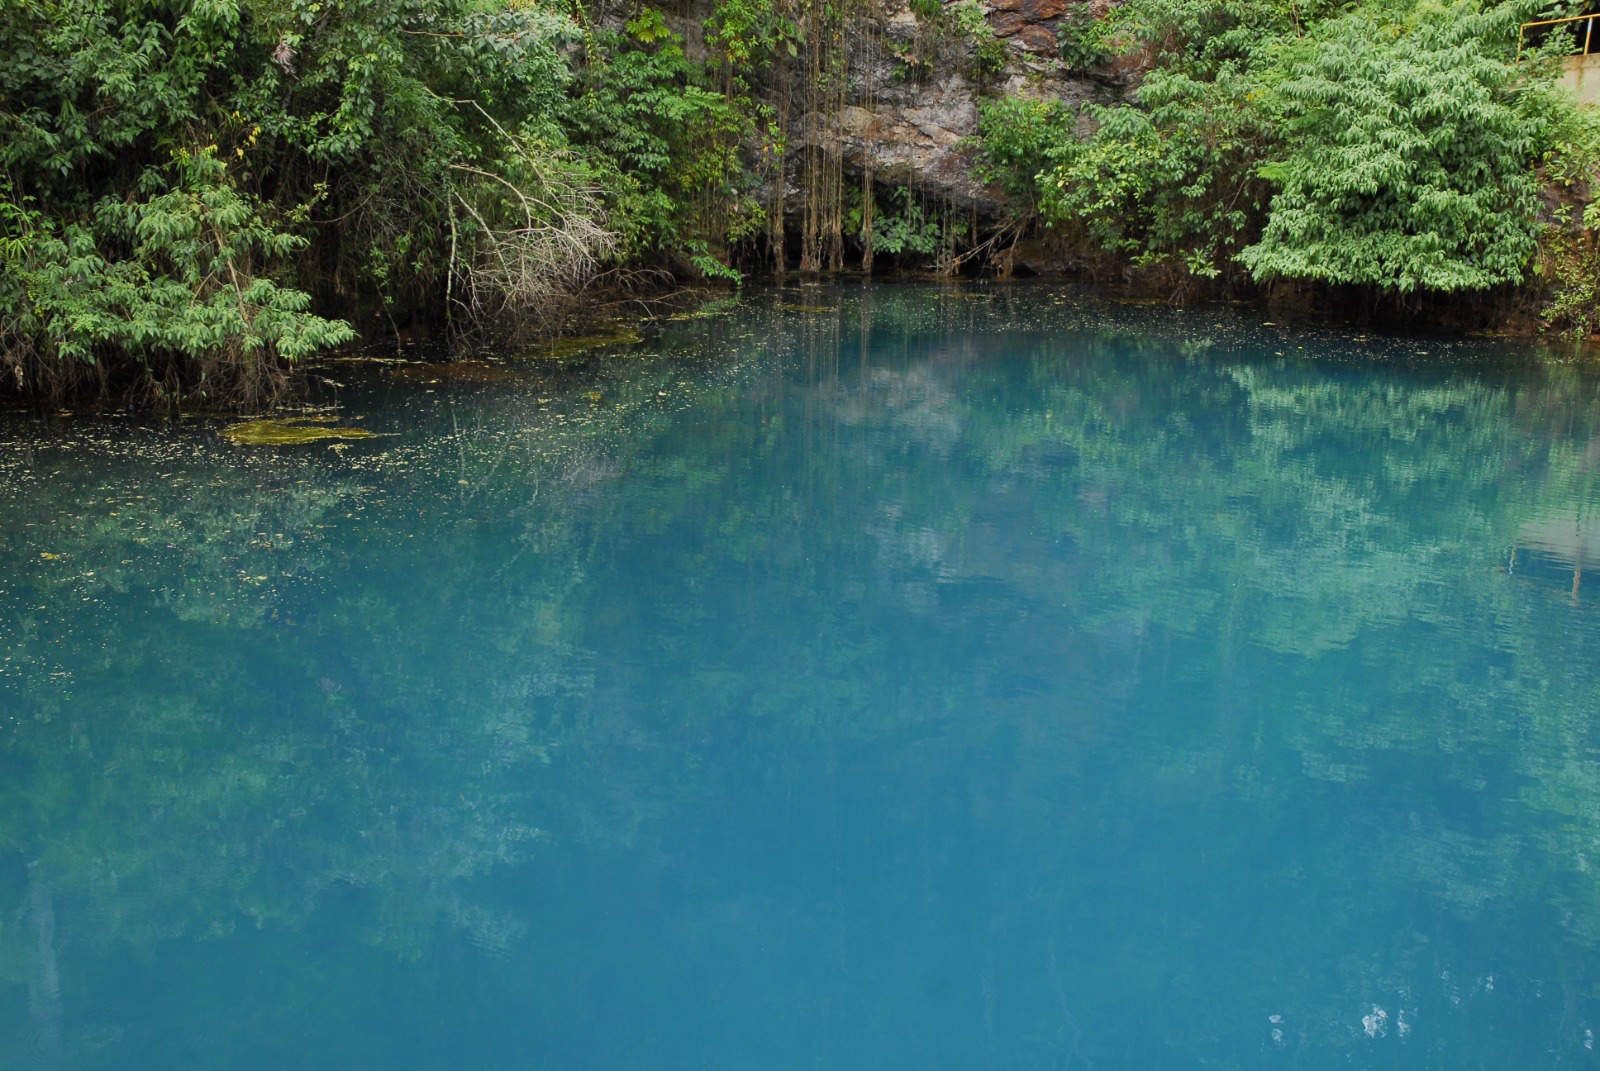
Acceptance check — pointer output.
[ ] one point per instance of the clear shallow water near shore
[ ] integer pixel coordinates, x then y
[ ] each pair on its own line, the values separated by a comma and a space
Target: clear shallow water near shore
905, 677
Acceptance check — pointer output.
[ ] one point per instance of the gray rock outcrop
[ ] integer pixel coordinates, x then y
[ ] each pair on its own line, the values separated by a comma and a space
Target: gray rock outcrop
917, 131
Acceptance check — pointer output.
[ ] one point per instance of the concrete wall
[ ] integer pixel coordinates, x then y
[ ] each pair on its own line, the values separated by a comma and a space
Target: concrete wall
1581, 74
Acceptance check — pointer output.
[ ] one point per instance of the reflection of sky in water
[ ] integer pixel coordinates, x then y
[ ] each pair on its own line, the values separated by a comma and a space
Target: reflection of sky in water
1001, 683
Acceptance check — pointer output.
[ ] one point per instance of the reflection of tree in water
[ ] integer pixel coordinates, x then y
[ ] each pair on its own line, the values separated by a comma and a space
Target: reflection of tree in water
217, 754
1290, 525
399, 672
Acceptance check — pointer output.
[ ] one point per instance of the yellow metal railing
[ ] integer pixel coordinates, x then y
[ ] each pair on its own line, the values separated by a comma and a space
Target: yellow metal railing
1543, 26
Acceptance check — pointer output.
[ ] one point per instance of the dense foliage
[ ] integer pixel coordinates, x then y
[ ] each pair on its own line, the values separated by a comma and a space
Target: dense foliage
194, 194
1397, 147
182, 181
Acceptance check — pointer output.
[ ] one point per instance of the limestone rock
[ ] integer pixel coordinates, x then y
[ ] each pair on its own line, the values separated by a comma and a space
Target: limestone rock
1006, 23
918, 131
1043, 10
1036, 38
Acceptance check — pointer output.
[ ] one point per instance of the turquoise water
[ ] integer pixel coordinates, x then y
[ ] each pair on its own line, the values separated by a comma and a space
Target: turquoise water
905, 677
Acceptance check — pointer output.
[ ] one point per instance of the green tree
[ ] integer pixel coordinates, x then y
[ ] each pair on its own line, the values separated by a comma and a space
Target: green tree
1397, 147
181, 182
1409, 153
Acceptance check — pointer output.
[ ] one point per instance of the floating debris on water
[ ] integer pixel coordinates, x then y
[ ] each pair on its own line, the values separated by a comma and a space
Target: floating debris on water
567, 347
805, 308
456, 372
361, 358
290, 431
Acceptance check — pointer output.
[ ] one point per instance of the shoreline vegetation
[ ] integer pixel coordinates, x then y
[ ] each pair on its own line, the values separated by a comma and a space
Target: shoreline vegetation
197, 195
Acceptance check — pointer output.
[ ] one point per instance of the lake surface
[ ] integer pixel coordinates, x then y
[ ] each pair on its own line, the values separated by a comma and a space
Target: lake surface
896, 678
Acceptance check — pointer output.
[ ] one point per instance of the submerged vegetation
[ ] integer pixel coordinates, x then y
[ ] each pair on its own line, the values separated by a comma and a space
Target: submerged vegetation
195, 194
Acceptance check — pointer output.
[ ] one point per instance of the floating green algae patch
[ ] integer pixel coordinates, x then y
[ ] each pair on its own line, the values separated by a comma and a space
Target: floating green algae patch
707, 311
289, 432
567, 347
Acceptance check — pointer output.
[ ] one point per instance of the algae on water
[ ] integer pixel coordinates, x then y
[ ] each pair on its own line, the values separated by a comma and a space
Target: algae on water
290, 431
568, 347
719, 307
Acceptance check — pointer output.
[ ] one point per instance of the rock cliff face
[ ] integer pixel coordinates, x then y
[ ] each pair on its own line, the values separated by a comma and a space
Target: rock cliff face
1029, 24
905, 111
913, 130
